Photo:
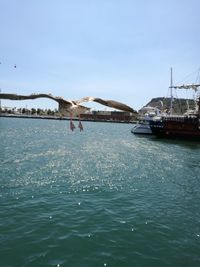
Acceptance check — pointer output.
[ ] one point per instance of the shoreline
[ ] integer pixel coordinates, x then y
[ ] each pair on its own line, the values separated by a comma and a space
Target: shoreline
43, 117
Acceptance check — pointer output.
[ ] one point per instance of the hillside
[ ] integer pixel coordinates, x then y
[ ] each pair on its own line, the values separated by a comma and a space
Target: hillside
180, 105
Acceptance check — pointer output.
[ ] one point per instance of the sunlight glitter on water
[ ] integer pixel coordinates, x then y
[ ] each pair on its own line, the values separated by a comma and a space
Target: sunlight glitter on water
100, 197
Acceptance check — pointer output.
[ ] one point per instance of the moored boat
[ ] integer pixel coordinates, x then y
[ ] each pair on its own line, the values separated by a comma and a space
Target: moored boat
174, 126
142, 126
183, 127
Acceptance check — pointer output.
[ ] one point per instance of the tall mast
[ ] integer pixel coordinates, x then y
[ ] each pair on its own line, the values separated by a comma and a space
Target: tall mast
171, 95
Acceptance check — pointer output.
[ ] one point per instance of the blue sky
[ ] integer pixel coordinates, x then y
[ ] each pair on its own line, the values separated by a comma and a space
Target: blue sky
113, 49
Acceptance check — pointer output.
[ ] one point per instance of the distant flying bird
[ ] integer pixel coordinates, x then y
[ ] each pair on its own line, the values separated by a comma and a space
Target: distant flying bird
72, 106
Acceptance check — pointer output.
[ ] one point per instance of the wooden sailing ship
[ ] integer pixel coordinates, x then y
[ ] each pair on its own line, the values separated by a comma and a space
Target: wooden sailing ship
180, 127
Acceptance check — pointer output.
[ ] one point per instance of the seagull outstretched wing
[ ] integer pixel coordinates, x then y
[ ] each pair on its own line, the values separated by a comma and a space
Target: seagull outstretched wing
108, 103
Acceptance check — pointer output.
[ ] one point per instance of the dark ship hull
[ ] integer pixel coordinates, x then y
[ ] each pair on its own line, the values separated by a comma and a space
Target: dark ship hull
177, 127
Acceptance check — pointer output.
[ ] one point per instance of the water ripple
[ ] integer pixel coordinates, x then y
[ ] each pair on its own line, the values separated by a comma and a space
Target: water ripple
100, 198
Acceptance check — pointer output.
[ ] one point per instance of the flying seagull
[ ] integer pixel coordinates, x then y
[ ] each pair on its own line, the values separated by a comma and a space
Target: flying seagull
71, 105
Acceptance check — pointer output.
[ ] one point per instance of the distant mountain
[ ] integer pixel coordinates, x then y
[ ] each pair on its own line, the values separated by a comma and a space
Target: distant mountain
180, 105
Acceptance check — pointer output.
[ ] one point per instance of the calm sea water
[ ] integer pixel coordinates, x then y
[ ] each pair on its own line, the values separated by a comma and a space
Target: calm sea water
101, 197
